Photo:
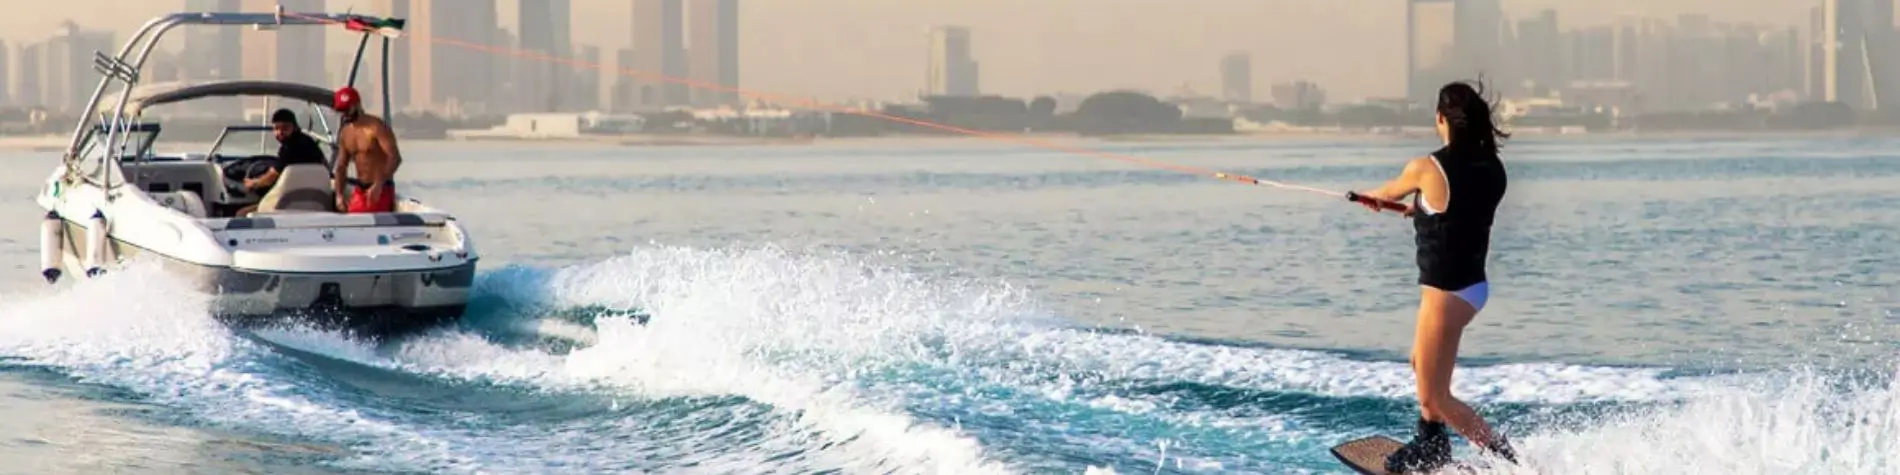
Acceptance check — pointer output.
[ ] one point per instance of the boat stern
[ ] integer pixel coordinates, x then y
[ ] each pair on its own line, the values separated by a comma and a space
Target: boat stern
408, 261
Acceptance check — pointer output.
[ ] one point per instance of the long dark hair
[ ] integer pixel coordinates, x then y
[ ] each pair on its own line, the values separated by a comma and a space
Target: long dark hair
1468, 115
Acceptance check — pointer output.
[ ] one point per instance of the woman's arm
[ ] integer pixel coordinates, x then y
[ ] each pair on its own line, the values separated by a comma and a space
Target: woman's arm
1401, 187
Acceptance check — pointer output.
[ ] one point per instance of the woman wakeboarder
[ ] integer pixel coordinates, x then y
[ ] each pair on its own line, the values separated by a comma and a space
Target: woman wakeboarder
1455, 194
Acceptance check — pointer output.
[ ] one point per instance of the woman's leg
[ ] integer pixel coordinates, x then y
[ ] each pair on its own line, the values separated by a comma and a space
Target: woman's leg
1423, 411
1430, 447
1441, 323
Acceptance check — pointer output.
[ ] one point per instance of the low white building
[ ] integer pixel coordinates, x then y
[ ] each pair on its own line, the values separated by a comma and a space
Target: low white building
556, 126
543, 126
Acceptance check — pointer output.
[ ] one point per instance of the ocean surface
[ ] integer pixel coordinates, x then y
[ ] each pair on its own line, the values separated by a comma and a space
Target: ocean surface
1659, 306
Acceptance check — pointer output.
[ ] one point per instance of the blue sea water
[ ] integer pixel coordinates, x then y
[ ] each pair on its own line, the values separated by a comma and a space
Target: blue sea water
1659, 306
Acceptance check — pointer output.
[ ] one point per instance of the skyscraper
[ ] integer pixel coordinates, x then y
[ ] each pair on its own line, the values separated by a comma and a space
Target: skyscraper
1834, 62
1448, 40
1236, 77
659, 49
588, 92
1743, 61
464, 79
212, 52
430, 75
1478, 36
1697, 58
1879, 17
1654, 65
297, 46
292, 54
504, 83
1627, 48
1815, 54
1431, 46
1785, 64
951, 70
1540, 52
1593, 53
6, 80
29, 88
620, 95
1878, 50
282, 54
713, 49
544, 29
1843, 61
258, 47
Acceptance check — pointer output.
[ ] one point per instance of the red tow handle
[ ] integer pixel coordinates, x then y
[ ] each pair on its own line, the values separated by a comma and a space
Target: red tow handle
1358, 198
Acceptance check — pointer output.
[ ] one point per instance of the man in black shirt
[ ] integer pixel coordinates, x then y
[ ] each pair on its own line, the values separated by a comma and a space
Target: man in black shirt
297, 149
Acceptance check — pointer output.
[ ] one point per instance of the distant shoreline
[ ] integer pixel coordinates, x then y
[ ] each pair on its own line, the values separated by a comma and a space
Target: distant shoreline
54, 143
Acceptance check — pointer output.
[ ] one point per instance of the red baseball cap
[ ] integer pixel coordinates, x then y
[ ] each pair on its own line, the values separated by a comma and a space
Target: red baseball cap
346, 99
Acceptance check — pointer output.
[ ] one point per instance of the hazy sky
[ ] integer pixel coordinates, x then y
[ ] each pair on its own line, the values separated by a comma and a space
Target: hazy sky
841, 49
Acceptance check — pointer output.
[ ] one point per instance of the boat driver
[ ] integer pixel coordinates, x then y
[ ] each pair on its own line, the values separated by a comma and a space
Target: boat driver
295, 148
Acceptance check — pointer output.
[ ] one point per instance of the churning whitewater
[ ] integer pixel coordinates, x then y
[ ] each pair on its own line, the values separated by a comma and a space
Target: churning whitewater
762, 360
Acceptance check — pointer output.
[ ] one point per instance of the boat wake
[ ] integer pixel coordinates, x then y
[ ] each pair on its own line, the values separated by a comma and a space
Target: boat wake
767, 361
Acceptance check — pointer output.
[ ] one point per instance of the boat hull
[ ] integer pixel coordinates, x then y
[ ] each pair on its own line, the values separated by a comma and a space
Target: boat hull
369, 302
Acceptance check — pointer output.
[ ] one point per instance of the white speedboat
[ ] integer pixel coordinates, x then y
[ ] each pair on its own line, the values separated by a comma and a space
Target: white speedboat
112, 199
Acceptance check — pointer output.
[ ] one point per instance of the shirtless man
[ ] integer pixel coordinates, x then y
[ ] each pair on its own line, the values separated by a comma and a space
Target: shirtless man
366, 141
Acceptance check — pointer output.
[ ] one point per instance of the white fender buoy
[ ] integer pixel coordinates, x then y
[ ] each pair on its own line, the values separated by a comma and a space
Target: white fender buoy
96, 245
51, 246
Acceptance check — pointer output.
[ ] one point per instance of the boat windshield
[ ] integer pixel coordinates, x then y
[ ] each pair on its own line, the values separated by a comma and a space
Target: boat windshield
131, 144
241, 141
244, 141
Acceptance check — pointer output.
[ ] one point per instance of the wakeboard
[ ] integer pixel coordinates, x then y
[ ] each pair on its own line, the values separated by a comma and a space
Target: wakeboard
1367, 456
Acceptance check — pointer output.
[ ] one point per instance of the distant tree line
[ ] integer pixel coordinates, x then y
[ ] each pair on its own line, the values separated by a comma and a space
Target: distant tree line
1106, 113
1127, 112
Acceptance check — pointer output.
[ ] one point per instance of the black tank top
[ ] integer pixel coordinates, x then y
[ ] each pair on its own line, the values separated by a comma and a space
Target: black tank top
1454, 242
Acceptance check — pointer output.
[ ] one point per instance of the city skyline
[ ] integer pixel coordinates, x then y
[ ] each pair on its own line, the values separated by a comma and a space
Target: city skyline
1690, 62
1057, 46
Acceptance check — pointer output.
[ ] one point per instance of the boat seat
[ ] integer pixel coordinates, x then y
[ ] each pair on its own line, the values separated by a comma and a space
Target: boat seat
183, 201
300, 188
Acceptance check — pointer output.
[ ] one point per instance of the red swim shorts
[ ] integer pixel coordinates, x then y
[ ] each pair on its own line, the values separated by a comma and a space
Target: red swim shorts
359, 200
